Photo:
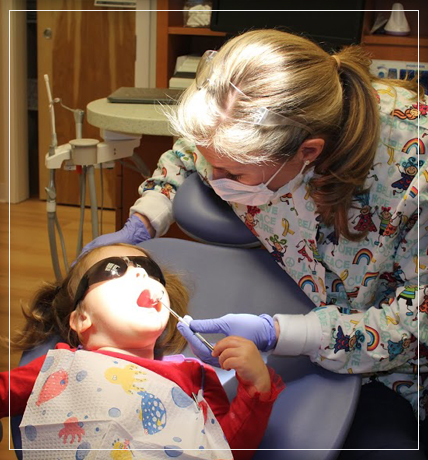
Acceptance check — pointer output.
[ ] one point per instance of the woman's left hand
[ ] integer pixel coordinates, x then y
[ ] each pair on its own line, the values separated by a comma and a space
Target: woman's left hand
259, 329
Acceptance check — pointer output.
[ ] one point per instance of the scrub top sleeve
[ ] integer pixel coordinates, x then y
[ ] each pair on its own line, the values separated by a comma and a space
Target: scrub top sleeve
299, 335
157, 208
157, 192
385, 338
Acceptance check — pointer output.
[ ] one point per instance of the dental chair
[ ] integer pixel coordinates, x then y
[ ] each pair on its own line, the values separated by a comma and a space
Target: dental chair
231, 274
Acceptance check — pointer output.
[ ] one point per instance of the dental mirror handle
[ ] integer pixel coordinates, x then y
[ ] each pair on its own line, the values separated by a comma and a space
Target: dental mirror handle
179, 318
203, 340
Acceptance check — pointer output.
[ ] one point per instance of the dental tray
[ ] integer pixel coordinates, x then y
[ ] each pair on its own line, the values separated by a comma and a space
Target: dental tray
131, 95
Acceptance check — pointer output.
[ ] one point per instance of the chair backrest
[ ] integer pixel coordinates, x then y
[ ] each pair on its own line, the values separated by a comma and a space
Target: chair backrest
204, 216
316, 408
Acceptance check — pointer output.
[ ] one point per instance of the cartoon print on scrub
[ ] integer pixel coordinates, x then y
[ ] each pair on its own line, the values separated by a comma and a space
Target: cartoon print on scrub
396, 348
346, 342
391, 229
411, 113
409, 294
407, 175
423, 307
72, 428
279, 248
167, 189
331, 238
250, 220
385, 216
393, 279
150, 185
365, 222
286, 199
286, 226
302, 251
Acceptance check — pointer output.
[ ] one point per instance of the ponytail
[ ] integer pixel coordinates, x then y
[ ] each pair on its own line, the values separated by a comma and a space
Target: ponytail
343, 166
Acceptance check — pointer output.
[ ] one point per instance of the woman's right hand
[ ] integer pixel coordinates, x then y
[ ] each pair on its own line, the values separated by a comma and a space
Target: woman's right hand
133, 232
243, 356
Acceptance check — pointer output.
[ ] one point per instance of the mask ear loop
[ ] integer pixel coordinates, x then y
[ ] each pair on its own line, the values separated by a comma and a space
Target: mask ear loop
297, 185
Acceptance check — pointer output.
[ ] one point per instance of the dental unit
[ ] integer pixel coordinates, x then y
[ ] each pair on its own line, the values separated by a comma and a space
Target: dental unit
85, 154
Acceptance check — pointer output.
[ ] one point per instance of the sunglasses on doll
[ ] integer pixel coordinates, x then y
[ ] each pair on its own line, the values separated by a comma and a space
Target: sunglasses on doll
113, 268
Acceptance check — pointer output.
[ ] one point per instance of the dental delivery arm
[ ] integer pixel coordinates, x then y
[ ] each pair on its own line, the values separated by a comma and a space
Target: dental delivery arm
243, 421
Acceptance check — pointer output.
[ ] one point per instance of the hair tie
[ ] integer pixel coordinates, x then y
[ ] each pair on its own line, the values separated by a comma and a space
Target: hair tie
337, 59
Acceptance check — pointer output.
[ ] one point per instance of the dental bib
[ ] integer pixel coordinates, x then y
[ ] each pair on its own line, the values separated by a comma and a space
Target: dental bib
87, 406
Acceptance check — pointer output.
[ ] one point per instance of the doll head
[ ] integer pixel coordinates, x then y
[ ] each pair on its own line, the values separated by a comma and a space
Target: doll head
111, 299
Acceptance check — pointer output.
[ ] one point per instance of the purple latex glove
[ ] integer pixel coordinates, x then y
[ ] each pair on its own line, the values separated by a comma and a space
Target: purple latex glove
198, 348
133, 232
259, 329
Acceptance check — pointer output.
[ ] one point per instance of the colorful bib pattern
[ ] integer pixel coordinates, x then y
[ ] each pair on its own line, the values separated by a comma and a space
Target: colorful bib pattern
88, 406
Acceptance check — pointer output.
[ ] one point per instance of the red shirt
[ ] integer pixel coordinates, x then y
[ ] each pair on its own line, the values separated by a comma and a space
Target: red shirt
243, 421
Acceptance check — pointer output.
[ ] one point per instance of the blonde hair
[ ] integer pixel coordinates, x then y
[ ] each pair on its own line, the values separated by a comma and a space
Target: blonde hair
49, 313
292, 76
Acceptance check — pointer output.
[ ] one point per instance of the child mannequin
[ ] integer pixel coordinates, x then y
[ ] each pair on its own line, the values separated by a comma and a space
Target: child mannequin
116, 390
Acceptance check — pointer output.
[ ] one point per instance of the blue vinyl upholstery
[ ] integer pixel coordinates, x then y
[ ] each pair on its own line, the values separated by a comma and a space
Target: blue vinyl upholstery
316, 408
201, 214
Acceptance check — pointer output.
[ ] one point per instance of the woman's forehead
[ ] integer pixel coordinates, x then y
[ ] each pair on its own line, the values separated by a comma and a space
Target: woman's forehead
222, 162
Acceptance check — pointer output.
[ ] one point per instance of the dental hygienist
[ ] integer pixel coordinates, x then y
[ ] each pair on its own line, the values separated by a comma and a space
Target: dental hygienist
326, 165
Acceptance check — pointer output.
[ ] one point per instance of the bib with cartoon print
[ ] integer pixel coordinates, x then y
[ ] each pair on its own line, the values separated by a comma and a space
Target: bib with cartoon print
87, 406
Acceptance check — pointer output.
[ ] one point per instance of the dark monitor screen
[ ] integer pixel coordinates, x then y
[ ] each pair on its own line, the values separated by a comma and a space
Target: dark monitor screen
331, 29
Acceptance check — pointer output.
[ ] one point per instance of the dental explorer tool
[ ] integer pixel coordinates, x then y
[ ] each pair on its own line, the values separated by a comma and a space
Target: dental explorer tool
179, 318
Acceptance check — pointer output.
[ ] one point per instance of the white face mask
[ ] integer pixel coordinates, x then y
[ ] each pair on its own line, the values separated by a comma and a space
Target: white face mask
251, 195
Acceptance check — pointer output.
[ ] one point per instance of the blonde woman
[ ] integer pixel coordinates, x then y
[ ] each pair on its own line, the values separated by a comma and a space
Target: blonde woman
278, 126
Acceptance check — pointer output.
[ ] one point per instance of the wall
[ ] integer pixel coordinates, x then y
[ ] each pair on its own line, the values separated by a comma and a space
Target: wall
17, 95
4, 97
145, 31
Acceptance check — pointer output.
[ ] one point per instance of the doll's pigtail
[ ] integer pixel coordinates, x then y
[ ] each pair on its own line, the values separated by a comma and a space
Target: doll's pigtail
171, 341
40, 319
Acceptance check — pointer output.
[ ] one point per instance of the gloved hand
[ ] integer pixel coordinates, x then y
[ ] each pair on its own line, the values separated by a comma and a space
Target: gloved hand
133, 232
259, 329
198, 348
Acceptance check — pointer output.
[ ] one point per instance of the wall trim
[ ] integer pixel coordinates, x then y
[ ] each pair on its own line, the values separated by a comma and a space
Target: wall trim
18, 157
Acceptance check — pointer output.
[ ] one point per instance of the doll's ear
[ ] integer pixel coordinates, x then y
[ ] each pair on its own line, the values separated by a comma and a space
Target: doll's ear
80, 321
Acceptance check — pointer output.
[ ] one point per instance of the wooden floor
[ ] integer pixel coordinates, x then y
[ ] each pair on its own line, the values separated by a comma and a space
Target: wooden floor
29, 264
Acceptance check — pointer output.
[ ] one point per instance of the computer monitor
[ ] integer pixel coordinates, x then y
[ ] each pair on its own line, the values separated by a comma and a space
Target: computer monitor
340, 23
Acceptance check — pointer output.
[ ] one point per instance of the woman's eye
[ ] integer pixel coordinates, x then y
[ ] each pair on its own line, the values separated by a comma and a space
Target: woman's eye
235, 177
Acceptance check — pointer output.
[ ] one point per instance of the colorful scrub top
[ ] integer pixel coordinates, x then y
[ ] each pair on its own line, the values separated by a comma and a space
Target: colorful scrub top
368, 295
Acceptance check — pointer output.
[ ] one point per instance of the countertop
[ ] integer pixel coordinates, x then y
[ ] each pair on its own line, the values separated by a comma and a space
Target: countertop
146, 119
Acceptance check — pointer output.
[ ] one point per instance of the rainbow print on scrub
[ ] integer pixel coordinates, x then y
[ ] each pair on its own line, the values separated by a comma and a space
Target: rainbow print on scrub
374, 338
368, 277
416, 144
308, 281
363, 255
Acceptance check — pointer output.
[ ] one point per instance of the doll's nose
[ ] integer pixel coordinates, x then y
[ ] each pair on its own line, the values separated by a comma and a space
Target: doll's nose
140, 272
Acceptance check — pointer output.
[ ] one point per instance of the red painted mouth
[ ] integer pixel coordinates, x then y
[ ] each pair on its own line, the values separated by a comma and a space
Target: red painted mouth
145, 300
